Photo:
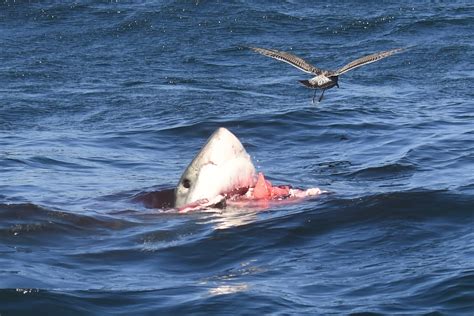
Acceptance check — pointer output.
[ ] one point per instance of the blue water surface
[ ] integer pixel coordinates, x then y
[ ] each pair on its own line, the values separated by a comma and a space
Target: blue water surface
101, 101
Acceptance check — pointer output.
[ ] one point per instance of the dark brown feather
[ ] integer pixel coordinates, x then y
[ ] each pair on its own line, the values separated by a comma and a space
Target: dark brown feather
366, 60
293, 60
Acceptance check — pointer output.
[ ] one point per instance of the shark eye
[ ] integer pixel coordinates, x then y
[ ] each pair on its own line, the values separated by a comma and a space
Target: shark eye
186, 183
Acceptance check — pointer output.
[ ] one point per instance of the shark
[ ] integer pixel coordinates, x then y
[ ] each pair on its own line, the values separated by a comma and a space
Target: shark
221, 166
222, 174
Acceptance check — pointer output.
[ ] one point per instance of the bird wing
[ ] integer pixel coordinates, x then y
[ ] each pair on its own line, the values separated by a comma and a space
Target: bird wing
366, 60
293, 60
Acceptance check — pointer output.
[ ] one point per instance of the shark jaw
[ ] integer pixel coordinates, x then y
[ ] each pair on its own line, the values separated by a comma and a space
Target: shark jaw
220, 167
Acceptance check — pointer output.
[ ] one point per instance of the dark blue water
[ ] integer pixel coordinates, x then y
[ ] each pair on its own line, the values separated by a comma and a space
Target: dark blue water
103, 101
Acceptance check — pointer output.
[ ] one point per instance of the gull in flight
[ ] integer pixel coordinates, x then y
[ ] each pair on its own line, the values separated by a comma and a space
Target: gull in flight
324, 79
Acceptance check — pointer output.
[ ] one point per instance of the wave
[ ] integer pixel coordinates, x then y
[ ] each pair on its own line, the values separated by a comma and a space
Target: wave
26, 222
451, 295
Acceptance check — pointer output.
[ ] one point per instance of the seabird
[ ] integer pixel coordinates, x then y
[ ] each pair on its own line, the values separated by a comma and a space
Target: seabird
324, 79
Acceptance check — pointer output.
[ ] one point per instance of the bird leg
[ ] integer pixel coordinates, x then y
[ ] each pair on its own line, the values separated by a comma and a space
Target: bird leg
314, 95
322, 94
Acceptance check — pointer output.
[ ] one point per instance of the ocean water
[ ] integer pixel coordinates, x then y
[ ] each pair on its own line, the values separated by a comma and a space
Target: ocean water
101, 101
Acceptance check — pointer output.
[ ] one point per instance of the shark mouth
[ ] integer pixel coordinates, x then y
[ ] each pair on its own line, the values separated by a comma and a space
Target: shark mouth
221, 175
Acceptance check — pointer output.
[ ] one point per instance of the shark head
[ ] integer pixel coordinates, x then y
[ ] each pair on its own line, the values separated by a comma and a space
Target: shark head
221, 166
